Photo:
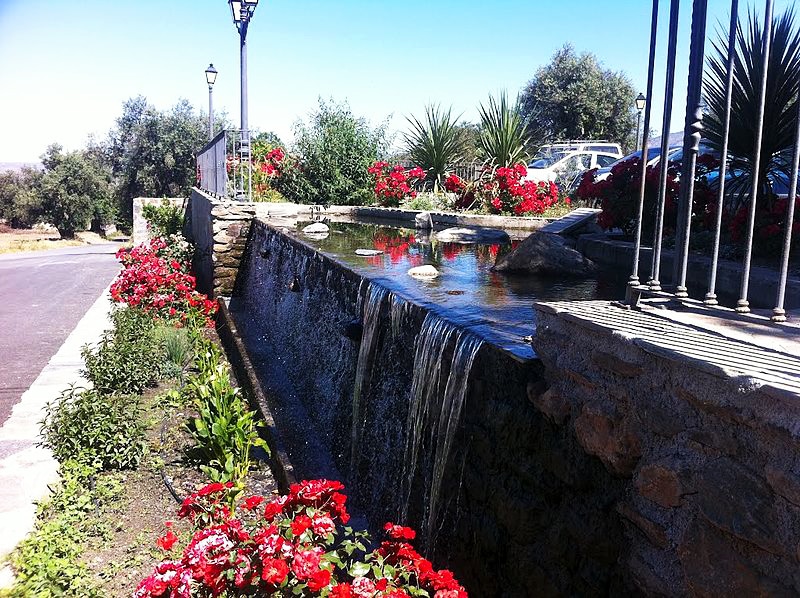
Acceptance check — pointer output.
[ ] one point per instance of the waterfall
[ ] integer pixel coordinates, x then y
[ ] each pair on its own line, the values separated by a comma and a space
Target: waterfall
398, 309
435, 410
366, 356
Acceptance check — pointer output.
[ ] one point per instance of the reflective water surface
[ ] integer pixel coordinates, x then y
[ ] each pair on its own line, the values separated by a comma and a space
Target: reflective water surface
495, 306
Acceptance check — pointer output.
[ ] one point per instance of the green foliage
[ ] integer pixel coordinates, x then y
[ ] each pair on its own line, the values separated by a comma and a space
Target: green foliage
434, 143
177, 344
20, 198
573, 97
152, 153
225, 430
780, 117
104, 431
164, 219
75, 190
503, 135
47, 563
127, 359
334, 150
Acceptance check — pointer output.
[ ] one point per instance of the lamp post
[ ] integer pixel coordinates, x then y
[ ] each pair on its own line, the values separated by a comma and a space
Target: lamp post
242, 12
211, 77
640, 102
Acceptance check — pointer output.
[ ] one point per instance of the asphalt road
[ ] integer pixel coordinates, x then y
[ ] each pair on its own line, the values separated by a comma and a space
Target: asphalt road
43, 295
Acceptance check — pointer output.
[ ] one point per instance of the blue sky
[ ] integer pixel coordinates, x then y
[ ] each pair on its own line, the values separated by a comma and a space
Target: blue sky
67, 66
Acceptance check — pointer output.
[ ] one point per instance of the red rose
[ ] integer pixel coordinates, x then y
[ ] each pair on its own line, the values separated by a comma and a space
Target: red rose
275, 571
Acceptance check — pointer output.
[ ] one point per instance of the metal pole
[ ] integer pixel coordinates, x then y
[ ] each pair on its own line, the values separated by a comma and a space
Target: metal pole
711, 295
778, 313
743, 305
210, 115
692, 130
634, 277
669, 88
244, 139
638, 125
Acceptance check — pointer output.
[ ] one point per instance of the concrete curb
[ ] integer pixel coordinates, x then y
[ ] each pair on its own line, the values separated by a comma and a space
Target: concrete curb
26, 469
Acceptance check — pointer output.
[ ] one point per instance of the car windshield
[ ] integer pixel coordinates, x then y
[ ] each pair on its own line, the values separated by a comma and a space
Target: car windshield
547, 161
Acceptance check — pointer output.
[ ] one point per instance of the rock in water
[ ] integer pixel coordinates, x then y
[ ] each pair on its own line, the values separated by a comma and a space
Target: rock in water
472, 235
316, 228
368, 252
423, 221
424, 272
545, 253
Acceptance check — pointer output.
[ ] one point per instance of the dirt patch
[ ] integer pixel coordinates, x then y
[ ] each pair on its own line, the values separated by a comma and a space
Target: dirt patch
151, 497
14, 240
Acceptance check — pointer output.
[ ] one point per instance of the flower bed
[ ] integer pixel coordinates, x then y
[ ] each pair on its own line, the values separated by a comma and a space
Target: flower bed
296, 544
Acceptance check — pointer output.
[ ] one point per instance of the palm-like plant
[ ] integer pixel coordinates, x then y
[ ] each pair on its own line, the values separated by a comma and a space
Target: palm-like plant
504, 132
434, 143
780, 116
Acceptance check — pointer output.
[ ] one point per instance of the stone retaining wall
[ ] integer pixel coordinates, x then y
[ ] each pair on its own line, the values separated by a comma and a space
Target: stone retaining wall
707, 468
219, 229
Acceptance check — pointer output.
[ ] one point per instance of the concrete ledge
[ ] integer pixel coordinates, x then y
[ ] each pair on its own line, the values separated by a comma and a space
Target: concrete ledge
245, 373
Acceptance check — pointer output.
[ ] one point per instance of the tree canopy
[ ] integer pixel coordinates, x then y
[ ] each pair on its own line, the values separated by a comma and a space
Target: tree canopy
574, 97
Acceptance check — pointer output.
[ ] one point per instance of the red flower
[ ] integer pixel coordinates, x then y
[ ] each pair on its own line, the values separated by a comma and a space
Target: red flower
342, 590
305, 563
167, 541
319, 580
275, 571
398, 532
300, 524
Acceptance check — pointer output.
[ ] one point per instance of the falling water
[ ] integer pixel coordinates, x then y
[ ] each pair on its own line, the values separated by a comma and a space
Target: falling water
366, 356
467, 347
398, 308
435, 409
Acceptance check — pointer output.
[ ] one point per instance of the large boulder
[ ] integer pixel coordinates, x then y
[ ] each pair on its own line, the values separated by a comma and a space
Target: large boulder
545, 253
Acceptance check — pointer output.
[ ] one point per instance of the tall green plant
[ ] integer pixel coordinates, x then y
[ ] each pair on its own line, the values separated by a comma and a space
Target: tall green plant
504, 136
434, 143
780, 116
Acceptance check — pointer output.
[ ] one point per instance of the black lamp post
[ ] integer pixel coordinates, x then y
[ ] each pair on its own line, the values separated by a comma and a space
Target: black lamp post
211, 77
640, 103
242, 13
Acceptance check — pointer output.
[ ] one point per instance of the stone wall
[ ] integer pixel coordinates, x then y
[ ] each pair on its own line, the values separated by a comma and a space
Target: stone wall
706, 468
524, 511
219, 229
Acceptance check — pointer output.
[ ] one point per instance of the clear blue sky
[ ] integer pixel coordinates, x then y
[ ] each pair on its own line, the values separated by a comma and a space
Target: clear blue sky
67, 66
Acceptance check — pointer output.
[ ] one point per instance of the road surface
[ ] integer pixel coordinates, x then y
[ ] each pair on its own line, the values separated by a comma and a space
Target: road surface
43, 295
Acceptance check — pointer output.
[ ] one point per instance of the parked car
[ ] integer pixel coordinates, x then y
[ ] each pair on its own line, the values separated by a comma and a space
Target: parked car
591, 145
564, 165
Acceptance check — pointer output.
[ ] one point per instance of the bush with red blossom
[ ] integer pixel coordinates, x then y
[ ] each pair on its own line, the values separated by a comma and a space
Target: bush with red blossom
618, 195
769, 228
157, 282
508, 192
296, 544
395, 183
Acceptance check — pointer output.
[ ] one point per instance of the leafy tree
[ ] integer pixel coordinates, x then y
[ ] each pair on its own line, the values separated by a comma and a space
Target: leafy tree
573, 97
151, 153
504, 133
74, 190
470, 141
434, 143
334, 150
20, 200
780, 117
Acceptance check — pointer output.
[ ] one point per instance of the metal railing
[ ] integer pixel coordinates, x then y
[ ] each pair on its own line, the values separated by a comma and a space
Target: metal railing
693, 128
228, 151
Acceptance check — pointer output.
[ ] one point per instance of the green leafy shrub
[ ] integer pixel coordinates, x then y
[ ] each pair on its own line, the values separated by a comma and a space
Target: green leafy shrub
128, 358
177, 344
225, 430
47, 563
164, 219
103, 430
434, 143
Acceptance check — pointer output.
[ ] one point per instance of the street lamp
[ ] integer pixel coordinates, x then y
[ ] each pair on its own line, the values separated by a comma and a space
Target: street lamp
640, 102
242, 12
211, 77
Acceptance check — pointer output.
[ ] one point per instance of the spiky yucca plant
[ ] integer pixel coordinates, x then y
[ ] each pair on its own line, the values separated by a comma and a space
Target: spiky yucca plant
780, 116
434, 143
504, 132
